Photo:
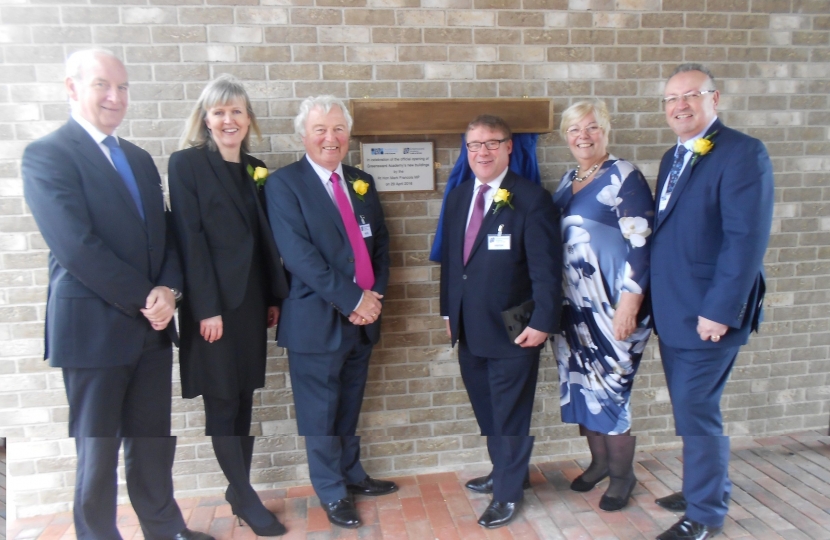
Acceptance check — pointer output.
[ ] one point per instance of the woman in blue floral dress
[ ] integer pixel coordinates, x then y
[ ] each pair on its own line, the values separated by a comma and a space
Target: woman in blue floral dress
607, 217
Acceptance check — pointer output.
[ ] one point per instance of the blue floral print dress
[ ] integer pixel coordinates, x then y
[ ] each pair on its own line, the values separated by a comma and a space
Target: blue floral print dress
606, 233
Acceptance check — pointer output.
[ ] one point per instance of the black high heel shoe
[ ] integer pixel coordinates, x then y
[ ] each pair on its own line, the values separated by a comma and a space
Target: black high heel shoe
275, 528
581, 485
612, 504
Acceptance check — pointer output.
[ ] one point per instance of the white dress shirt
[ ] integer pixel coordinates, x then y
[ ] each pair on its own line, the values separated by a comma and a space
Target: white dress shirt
96, 135
325, 177
690, 144
488, 196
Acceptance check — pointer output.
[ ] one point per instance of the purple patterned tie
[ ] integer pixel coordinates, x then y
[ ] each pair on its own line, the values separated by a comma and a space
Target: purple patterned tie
475, 222
363, 273
676, 167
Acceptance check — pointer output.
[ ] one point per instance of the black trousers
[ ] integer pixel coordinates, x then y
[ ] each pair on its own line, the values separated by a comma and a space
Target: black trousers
328, 393
148, 462
130, 401
501, 391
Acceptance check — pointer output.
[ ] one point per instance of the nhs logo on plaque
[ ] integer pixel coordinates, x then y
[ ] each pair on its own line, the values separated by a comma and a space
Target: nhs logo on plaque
384, 151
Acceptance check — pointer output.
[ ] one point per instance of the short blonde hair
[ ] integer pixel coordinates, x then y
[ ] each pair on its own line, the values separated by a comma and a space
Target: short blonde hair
220, 91
580, 110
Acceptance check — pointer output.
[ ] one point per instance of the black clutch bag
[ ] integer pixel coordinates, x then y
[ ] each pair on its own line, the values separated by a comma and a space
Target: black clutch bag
517, 318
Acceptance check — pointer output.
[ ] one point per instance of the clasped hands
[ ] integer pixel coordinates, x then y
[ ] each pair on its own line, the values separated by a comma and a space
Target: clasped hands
368, 311
159, 307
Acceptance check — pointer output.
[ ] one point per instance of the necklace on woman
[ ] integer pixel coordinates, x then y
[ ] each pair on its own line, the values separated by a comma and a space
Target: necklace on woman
591, 171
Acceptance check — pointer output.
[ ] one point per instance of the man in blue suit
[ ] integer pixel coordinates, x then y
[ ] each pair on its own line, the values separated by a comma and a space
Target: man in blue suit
501, 248
113, 280
713, 217
328, 225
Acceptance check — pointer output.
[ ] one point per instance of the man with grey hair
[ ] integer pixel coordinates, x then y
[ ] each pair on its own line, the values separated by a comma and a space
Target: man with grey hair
328, 225
711, 228
113, 281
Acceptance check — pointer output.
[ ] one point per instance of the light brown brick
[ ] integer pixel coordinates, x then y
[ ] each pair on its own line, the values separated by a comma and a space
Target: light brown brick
179, 34
316, 16
448, 35
497, 36
370, 17
396, 35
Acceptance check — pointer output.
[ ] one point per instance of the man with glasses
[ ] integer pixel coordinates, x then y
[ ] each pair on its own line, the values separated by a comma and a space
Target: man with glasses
500, 250
713, 217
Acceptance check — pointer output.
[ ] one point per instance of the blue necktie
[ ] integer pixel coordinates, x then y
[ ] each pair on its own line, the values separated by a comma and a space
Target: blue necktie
123, 168
676, 167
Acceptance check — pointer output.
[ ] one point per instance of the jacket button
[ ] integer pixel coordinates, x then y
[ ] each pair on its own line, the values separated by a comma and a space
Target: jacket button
464, 276
351, 259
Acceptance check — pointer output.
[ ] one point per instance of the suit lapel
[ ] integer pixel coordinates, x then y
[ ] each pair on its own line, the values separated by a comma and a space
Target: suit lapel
683, 181
320, 193
221, 170
153, 211
90, 150
490, 215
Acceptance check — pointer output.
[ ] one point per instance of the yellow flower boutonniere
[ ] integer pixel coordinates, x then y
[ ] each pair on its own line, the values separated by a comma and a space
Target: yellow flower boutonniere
702, 146
360, 187
260, 175
502, 198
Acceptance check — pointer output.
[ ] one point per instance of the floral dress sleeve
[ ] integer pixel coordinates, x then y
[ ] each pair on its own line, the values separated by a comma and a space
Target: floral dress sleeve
636, 220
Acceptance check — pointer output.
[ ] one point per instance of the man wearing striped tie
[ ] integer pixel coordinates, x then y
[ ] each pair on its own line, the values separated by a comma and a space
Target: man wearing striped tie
328, 225
712, 224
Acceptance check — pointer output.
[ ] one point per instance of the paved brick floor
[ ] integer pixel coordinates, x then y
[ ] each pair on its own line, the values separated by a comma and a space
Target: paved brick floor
781, 490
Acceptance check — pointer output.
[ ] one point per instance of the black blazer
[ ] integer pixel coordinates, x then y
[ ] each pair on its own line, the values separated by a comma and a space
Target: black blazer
215, 233
495, 280
312, 239
104, 259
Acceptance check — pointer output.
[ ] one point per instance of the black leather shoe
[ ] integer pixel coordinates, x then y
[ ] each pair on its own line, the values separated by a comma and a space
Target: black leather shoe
499, 514
370, 486
484, 484
675, 502
187, 534
342, 513
686, 529
612, 504
581, 485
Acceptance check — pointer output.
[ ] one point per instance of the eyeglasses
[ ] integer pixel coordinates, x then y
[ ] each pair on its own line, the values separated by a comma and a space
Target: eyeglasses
691, 97
490, 145
591, 130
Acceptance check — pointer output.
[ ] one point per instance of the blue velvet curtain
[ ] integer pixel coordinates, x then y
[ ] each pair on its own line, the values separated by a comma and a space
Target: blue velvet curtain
522, 161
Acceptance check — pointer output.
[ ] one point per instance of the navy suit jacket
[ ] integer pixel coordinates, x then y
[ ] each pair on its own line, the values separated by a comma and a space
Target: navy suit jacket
708, 246
495, 280
104, 259
315, 249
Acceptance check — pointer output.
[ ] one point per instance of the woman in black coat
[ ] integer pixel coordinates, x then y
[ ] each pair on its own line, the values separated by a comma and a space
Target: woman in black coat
234, 281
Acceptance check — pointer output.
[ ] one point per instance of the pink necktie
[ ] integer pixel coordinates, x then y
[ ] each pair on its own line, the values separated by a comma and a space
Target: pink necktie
364, 275
475, 222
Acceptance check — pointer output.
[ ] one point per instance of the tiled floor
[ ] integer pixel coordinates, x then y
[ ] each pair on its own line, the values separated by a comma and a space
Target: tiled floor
781, 490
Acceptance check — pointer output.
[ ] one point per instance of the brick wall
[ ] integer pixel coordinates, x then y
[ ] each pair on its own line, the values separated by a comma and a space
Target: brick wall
773, 60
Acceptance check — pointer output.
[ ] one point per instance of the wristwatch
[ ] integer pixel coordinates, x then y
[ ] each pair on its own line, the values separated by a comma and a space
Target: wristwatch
177, 294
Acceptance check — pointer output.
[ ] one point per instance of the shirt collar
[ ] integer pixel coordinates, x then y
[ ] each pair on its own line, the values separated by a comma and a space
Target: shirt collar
322, 172
93, 131
495, 184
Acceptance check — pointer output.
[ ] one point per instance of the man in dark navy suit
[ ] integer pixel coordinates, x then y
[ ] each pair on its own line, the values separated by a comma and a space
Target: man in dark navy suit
713, 217
113, 280
328, 225
501, 248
